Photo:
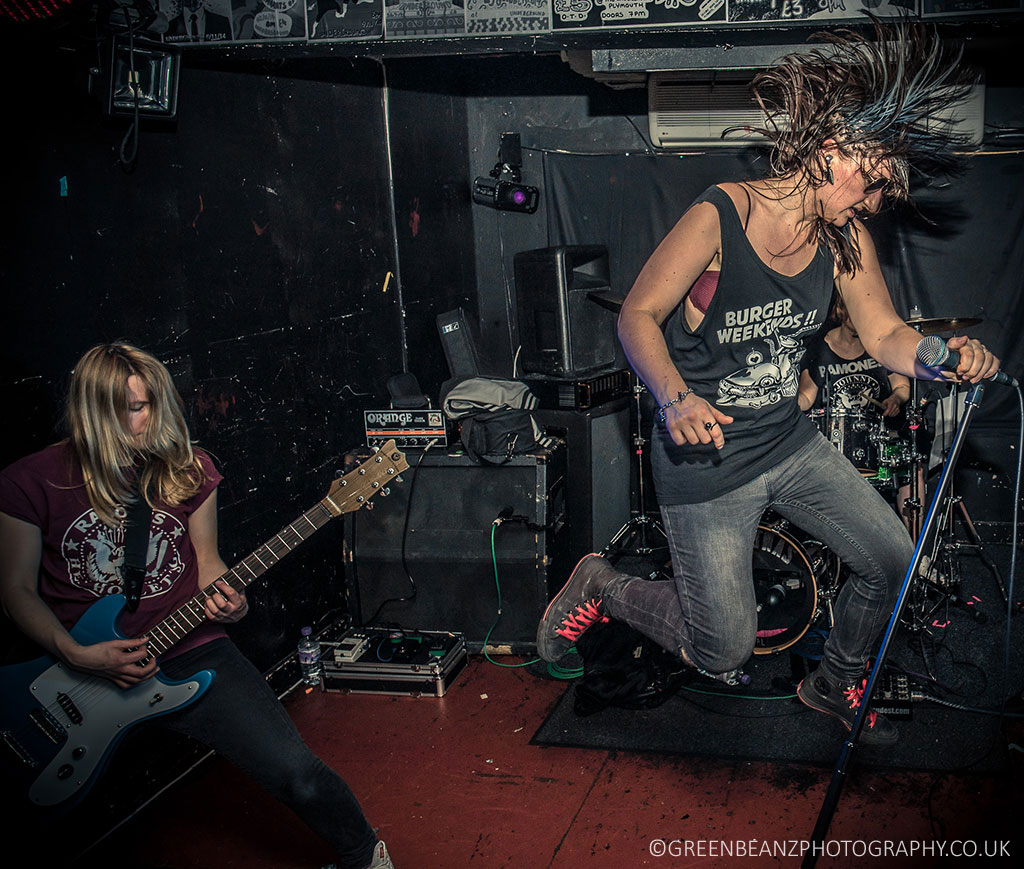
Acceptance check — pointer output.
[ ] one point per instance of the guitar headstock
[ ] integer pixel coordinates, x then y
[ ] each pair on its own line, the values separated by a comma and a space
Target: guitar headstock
359, 485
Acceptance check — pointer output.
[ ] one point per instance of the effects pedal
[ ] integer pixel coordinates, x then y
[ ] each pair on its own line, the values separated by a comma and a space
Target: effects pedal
892, 696
350, 647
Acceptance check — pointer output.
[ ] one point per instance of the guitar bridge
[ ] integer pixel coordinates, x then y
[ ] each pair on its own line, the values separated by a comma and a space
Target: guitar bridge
19, 750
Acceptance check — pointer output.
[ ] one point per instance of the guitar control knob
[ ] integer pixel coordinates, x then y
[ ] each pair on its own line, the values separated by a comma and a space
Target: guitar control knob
78, 753
66, 771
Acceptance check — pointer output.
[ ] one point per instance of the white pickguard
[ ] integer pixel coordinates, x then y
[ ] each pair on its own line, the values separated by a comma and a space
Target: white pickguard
107, 712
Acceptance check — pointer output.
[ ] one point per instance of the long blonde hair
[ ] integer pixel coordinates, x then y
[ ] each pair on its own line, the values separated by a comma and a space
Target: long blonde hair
111, 456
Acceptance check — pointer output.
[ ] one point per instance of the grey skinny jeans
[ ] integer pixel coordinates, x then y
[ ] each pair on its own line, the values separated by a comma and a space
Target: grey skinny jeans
709, 611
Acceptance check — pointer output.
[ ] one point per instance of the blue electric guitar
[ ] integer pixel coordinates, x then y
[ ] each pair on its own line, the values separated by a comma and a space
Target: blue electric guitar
59, 727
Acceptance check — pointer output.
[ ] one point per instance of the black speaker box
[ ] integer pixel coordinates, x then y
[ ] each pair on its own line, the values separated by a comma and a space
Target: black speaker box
562, 329
434, 533
598, 496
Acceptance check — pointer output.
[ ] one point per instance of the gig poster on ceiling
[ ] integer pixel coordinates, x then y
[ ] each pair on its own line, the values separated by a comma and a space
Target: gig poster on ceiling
578, 14
344, 19
266, 20
485, 17
206, 21
816, 10
415, 19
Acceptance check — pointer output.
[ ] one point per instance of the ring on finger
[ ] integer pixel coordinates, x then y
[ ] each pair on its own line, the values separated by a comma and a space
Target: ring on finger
710, 425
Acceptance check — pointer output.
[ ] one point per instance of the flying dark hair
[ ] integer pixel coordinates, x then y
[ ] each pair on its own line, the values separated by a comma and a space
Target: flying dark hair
886, 100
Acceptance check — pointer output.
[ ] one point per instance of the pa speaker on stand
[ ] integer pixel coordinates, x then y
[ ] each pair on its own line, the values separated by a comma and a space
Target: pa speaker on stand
562, 330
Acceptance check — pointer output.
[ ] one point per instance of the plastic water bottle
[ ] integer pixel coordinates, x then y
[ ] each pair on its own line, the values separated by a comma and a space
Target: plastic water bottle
309, 657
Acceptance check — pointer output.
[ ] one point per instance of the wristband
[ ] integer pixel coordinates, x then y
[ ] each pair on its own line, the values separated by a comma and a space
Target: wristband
679, 397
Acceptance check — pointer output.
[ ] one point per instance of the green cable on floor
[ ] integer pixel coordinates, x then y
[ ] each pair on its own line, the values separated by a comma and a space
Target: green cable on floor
553, 669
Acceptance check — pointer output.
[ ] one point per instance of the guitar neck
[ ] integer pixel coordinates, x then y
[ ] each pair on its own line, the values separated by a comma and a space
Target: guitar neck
193, 613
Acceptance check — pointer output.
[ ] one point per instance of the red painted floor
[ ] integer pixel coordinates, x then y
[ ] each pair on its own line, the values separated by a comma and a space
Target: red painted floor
454, 782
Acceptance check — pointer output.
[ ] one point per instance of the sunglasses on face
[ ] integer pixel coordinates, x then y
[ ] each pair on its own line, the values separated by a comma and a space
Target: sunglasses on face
873, 185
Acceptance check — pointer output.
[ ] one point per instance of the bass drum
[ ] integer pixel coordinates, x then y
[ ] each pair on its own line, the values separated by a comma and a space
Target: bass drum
794, 578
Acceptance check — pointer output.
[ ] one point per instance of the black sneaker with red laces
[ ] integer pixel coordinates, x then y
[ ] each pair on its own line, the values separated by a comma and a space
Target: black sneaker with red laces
842, 701
575, 608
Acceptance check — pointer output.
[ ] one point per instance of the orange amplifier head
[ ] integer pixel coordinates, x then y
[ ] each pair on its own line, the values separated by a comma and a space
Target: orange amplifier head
409, 428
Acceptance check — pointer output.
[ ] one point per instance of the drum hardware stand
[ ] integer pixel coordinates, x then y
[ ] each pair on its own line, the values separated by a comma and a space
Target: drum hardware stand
835, 787
641, 523
948, 549
913, 502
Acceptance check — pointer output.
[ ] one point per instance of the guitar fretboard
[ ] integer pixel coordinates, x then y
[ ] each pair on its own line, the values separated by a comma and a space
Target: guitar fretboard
192, 614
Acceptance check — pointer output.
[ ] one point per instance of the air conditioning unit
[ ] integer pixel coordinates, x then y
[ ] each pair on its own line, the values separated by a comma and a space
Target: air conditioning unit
695, 108
966, 118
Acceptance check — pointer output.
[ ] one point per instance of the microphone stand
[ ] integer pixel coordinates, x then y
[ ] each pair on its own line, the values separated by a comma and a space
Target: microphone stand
835, 787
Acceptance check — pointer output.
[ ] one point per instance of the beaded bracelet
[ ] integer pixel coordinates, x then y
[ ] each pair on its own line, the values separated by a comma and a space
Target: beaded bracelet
679, 397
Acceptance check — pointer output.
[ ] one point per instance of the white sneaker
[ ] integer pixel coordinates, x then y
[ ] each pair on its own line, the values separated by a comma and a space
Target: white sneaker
381, 860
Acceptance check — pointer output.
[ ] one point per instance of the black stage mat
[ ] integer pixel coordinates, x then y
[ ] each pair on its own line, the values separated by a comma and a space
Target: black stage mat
962, 648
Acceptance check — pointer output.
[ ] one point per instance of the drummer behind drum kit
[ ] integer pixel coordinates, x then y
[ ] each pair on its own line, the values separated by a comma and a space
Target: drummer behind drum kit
796, 579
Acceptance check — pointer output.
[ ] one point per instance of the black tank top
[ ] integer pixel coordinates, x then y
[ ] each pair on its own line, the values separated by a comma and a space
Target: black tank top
744, 358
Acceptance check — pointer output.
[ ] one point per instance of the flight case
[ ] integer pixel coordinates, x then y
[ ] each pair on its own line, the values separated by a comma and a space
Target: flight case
367, 660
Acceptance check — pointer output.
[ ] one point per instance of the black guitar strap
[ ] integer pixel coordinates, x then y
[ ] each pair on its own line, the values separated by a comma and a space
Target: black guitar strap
136, 548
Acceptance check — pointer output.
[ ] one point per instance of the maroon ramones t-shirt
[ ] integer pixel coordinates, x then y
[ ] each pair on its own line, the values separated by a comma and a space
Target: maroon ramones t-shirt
82, 557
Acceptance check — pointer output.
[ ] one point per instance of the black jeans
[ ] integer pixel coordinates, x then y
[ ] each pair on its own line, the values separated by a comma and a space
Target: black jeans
241, 719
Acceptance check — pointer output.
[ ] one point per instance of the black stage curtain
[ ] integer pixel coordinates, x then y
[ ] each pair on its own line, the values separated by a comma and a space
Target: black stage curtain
958, 254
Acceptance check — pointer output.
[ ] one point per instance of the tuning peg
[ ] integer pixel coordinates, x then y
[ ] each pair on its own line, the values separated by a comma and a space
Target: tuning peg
369, 505
385, 492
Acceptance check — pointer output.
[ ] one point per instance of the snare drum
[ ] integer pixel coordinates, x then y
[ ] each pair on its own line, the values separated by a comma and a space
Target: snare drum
794, 578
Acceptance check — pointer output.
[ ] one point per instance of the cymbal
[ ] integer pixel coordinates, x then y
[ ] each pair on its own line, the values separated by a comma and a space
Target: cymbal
607, 299
931, 325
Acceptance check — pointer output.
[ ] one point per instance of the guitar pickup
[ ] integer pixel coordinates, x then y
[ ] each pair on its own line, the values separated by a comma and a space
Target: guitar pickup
48, 725
19, 750
68, 705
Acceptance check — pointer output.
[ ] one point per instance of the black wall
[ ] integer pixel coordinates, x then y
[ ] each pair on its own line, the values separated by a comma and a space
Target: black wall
248, 250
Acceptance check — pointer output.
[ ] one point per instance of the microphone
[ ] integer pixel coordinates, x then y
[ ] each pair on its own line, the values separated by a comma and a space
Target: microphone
933, 353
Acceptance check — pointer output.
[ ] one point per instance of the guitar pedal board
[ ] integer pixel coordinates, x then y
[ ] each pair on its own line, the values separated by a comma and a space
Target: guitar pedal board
369, 660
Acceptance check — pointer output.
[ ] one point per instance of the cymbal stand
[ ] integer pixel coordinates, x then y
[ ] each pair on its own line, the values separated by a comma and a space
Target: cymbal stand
939, 584
635, 537
912, 503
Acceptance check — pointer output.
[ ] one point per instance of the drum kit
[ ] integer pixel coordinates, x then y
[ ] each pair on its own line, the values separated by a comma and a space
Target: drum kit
796, 578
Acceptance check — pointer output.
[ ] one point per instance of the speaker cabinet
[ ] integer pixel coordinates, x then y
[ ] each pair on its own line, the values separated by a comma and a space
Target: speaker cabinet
562, 329
433, 536
598, 497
